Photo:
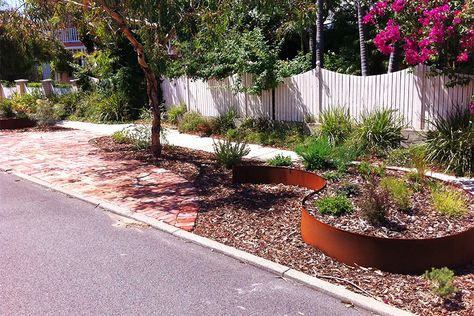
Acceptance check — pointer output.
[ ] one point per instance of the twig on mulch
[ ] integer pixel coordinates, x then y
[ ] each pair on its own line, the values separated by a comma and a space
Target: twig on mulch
346, 281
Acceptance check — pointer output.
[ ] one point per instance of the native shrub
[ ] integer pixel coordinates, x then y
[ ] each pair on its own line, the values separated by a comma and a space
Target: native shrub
316, 153
399, 192
280, 161
334, 205
449, 202
175, 113
336, 125
374, 203
229, 154
195, 122
451, 142
442, 282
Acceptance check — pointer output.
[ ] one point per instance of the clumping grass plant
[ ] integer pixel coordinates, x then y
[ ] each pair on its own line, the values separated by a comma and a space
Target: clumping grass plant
336, 125
450, 143
280, 161
229, 154
399, 192
449, 202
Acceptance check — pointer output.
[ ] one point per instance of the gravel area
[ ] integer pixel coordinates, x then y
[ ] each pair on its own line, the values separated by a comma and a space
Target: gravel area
264, 220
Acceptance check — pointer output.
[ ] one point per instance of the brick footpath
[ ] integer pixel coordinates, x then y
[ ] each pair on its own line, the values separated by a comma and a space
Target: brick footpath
65, 158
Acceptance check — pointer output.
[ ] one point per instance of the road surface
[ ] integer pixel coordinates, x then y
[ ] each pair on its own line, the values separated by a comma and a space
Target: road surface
61, 256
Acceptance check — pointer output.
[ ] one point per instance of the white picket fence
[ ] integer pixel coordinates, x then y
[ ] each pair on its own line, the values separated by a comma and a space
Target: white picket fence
417, 97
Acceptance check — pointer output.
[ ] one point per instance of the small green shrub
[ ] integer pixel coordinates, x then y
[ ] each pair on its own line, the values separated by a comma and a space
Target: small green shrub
380, 131
442, 282
348, 189
343, 155
224, 122
374, 203
316, 153
449, 202
333, 175
451, 142
336, 125
45, 114
280, 161
195, 122
399, 192
25, 104
176, 113
229, 154
334, 205
232, 134
406, 157
6, 109
366, 169
121, 137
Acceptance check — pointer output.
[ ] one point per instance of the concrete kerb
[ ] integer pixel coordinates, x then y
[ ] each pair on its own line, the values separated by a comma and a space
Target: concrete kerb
336, 291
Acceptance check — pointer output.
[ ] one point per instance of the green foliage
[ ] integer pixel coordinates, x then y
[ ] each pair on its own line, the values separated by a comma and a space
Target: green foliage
24, 104
367, 169
451, 142
195, 122
97, 106
374, 203
336, 125
405, 157
229, 154
333, 175
442, 281
348, 189
316, 153
280, 161
6, 109
47, 113
449, 202
334, 205
273, 133
176, 113
380, 131
399, 192
137, 135
224, 122
120, 137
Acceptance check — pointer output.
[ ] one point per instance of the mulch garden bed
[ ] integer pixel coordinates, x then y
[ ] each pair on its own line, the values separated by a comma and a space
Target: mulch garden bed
418, 222
265, 220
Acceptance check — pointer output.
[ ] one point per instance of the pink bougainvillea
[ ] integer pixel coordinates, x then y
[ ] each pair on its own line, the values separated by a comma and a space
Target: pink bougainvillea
439, 31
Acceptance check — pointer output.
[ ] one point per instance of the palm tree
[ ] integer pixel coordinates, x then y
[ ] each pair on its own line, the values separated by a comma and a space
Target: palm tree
362, 40
393, 59
319, 33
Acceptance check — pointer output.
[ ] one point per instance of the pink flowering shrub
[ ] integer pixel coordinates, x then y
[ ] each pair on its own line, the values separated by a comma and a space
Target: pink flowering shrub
436, 31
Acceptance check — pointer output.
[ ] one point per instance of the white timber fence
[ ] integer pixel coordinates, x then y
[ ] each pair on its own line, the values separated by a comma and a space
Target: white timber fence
47, 88
418, 98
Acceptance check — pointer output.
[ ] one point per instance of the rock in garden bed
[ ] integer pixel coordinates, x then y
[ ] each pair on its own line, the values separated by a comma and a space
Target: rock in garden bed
265, 220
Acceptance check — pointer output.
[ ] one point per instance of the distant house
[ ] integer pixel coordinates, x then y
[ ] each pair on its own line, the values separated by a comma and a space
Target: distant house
70, 39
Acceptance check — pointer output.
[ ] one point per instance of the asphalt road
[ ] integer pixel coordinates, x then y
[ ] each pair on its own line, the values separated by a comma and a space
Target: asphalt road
61, 256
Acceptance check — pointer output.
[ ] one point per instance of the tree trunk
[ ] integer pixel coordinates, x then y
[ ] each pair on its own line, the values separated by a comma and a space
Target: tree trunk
312, 45
152, 84
393, 60
363, 43
319, 33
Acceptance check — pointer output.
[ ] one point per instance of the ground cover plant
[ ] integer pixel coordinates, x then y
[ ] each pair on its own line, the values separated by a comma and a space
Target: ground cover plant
280, 161
265, 219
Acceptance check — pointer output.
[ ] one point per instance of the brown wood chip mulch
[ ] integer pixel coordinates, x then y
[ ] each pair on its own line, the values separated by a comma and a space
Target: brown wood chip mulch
264, 220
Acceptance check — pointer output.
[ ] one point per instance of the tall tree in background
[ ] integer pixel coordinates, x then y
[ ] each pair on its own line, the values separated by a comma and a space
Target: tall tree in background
319, 33
362, 40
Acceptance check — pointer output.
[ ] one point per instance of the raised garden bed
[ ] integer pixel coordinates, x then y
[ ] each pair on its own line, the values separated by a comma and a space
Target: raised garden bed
265, 219
421, 249
16, 123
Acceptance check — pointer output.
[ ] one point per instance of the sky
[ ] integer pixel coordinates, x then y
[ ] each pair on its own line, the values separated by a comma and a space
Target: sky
11, 3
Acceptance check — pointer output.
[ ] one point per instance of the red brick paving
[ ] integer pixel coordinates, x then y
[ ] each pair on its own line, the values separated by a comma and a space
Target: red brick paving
65, 158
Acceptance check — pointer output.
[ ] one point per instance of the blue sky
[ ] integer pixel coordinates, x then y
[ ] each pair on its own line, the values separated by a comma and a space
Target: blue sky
11, 3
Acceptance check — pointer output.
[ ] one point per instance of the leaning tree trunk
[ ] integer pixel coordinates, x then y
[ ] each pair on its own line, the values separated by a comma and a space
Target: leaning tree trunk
363, 43
312, 45
319, 33
152, 84
393, 60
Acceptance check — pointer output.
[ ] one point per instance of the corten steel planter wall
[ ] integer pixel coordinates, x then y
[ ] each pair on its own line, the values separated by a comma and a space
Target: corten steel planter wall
387, 254
16, 123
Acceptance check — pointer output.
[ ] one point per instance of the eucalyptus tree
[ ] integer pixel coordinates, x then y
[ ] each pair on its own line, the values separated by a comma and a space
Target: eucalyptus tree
148, 25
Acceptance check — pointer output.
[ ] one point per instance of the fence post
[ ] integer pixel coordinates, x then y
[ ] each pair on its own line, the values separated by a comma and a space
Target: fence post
2, 96
423, 97
47, 86
21, 86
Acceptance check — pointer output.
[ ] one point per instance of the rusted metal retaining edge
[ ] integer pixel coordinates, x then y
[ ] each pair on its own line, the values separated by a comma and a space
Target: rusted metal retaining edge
387, 254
